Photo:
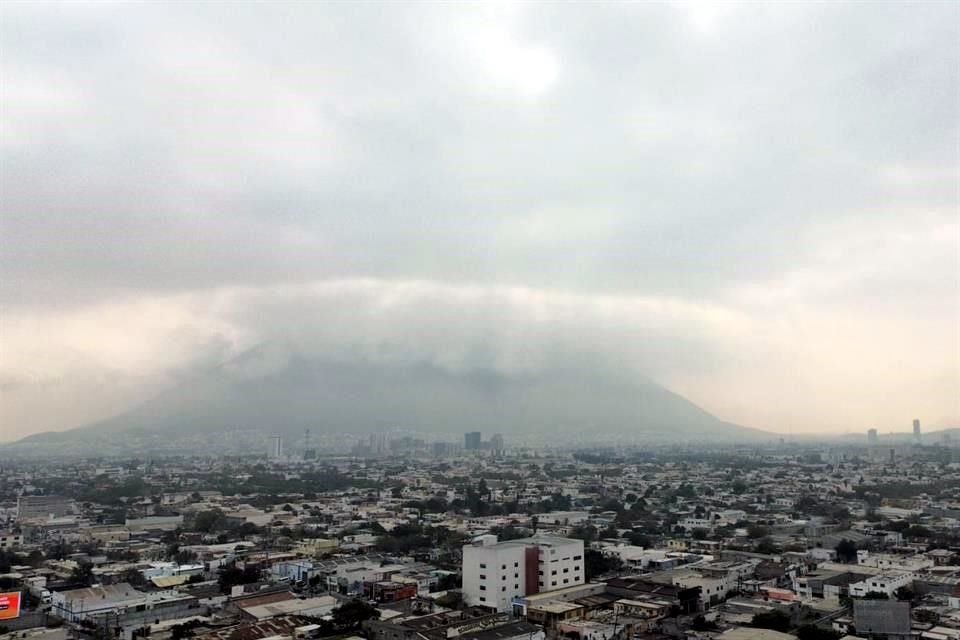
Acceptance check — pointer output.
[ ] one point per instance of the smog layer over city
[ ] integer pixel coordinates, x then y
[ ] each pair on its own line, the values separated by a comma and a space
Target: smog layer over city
395, 320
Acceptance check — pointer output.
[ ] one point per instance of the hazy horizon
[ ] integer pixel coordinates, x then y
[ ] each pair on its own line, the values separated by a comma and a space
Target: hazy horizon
755, 205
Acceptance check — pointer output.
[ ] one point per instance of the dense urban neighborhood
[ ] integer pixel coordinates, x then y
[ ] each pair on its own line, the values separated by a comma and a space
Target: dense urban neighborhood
401, 541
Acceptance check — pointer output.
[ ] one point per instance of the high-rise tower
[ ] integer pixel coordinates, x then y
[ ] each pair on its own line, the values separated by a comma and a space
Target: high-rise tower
276, 448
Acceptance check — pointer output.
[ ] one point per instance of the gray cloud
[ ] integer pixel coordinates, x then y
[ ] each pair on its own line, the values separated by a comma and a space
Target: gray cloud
784, 165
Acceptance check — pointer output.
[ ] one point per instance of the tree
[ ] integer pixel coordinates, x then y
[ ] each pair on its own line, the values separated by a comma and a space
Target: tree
184, 556
35, 558
904, 594
917, 531
207, 521
639, 539
846, 550
813, 632
876, 595
82, 574
231, 576
587, 533
350, 615
610, 532
686, 491
775, 620
449, 581
134, 578
767, 546
450, 600
508, 532
7, 560
755, 531
702, 624
597, 564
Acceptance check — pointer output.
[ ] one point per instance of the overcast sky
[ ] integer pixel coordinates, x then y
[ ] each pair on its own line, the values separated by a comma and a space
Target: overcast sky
756, 205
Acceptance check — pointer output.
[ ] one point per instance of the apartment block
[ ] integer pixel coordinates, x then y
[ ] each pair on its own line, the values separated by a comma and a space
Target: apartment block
496, 573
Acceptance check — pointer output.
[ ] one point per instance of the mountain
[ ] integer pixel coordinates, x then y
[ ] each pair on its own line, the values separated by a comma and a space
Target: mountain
276, 390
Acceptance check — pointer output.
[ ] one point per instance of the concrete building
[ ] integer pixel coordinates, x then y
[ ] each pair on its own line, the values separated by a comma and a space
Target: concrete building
315, 607
883, 618
293, 570
10, 540
872, 436
916, 431
276, 448
121, 605
472, 441
43, 507
495, 573
154, 523
886, 583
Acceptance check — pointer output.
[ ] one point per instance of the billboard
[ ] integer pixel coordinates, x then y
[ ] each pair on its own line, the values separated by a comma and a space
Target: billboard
9, 605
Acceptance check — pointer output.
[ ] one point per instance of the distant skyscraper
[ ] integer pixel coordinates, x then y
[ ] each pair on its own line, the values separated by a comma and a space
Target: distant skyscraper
496, 443
472, 441
276, 448
379, 445
872, 436
916, 431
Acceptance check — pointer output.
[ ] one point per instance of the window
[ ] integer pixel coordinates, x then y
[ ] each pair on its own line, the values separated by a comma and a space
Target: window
483, 577
574, 557
504, 567
540, 583
540, 572
566, 580
516, 586
482, 599
483, 587
554, 583
554, 572
566, 570
483, 566
516, 564
503, 588
576, 568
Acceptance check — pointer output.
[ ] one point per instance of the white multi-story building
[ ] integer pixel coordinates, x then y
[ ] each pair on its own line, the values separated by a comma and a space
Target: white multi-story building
276, 448
886, 583
495, 573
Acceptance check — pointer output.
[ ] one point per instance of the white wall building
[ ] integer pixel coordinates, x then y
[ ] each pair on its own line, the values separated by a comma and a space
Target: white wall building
494, 573
883, 583
275, 452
